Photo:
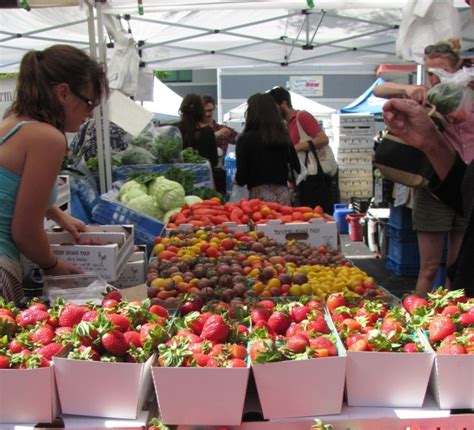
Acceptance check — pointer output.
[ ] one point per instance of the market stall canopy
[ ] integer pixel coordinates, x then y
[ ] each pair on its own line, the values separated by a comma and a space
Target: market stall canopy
215, 34
367, 102
165, 104
299, 102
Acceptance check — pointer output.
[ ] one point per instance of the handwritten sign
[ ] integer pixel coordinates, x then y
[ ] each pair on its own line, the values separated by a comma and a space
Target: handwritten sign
308, 86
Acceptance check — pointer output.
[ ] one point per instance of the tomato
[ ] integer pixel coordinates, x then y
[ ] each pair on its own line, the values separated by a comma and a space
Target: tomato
257, 216
286, 210
227, 244
245, 219
297, 216
318, 210
166, 255
212, 252
302, 209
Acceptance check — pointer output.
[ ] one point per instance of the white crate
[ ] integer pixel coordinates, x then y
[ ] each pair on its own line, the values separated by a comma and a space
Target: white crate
352, 118
354, 161
355, 173
355, 184
359, 142
355, 131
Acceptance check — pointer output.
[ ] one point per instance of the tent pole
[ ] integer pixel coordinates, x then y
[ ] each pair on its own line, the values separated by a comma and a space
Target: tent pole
107, 159
420, 74
219, 97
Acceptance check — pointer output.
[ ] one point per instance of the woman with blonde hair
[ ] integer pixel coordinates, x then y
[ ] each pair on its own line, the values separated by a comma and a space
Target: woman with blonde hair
432, 219
57, 89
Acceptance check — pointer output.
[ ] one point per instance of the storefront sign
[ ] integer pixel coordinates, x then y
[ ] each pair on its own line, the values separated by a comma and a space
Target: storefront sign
308, 86
7, 91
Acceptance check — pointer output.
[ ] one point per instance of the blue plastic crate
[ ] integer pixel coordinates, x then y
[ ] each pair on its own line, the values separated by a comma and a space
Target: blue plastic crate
77, 209
110, 211
86, 191
230, 166
405, 253
400, 217
401, 234
409, 270
202, 172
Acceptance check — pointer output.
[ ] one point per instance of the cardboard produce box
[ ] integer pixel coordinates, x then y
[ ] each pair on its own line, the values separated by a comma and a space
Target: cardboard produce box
28, 396
452, 381
99, 389
200, 396
315, 232
106, 260
135, 270
298, 388
232, 226
388, 379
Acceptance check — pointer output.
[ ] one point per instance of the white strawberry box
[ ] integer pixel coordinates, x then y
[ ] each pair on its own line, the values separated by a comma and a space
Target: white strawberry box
315, 232
388, 379
232, 226
452, 381
28, 396
299, 388
135, 270
200, 396
106, 261
99, 389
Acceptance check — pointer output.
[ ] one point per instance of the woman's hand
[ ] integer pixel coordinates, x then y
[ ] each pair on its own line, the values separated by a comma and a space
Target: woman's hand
72, 225
63, 267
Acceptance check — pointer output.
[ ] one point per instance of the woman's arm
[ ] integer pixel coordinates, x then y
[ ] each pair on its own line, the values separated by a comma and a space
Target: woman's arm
389, 90
45, 150
66, 221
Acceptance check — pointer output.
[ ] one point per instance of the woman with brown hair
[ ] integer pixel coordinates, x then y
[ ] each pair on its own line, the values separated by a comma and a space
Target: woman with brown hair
264, 152
57, 89
433, 219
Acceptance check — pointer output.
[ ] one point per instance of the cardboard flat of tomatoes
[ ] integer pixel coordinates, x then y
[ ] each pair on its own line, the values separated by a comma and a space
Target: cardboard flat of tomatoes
200, 396
28, 395
232, 226
315, 232
98, 389
106, 261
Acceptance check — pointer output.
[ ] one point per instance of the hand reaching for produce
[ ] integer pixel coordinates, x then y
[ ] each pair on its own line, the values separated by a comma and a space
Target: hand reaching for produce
72, 225
419, 93
62, 267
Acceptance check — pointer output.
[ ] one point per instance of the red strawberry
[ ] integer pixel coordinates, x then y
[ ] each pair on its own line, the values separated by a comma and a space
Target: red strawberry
335, 301
39, 307
109, 303
451, 349
259, 349
191, 305
297, 344
279, 322
259, 314
318, 325
440, 327
242, 329
215, 329
30, 317
408, 302
4, 311
42, 335
159, 310
90, 316
201, 359
299, 313
410, 347
121, 322
450, 310
4, 362
236, 362
322, 342
313, 305
15, 346
212, 362
153, 332
71, 315
358, 346
266, 304
353, 339
49, 351
113, 295
294, 329
466, 319
114, 342
419, 302
238, 351
132, 337
391, 325
60, 331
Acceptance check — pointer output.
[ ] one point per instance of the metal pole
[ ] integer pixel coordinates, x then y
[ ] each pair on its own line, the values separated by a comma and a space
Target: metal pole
107, 159
420, 74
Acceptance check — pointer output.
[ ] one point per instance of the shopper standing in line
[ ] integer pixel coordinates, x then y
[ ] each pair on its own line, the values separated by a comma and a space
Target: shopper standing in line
225, 136
433, 219
57, 89
264, 152
303, 129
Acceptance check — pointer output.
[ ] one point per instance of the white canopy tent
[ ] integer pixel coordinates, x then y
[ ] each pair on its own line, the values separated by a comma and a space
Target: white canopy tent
299, 102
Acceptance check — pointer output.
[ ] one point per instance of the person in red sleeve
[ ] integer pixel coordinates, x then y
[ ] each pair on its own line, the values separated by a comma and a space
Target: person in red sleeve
305, 130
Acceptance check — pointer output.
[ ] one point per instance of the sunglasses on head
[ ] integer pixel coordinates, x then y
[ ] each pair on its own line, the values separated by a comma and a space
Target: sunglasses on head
442, 48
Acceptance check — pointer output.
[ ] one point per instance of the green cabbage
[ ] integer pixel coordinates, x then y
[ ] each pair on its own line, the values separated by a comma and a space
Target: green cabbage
145, 205
130, 185
137, 155
167, 194
166, 218
132, 194
189, 200
446, 97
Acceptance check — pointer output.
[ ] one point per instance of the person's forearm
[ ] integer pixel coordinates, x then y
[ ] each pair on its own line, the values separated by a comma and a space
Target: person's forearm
54, 214
34, 245
441, 155
390, 89
319, 141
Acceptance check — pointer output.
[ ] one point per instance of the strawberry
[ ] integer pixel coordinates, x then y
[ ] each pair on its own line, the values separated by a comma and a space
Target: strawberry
358, 346
30, 317
411, 347
49, 350
440, 327
113, 295
7, 325
408, 302
215, 329
90, 316
451, 349
451, 310
4, 361
335, 301
294, 329
121, 322
109, 303
15, 346
132, 337
201, 359
391, 325
322, 342
466, 319
259, 314
419, 302
191, 305
279, 322
212, 362
313, 305
353, 339
299, 313
318, 325
159, 310
266, 304
114, 342
238, 351
153, 332
42, 335
236, 362
38, 306
350, 324
297, 344
71, 315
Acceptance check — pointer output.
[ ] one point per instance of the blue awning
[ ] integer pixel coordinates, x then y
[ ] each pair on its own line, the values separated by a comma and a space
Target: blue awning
367, 102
